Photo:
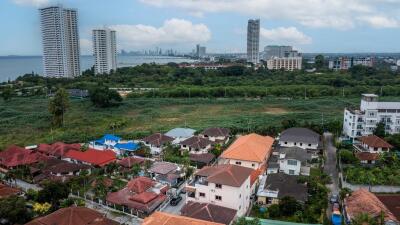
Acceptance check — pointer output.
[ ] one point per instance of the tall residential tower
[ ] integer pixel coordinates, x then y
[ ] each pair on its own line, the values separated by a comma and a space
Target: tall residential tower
104, 51
253, 41
60, 41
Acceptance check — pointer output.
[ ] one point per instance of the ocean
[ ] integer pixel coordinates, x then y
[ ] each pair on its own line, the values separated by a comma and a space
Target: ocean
13, 66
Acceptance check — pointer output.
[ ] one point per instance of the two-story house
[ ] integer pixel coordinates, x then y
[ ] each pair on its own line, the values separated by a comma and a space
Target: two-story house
224, 185
368, 148
156, 142
301, 137
294, 161
196, 145
251, 151
216, 134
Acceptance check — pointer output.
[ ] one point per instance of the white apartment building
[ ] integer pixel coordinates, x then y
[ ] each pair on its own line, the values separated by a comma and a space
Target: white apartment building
104, 50
287, 63
363, 121
224, 185
60, 39
253, 41
345, 63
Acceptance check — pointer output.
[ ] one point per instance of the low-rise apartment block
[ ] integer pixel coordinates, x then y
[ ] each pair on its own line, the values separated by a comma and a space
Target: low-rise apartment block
286, 63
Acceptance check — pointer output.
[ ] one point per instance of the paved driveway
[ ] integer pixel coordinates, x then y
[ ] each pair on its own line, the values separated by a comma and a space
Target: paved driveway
330, 168
175, 209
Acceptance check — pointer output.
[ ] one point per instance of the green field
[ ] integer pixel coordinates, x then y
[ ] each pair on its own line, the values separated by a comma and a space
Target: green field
26, 121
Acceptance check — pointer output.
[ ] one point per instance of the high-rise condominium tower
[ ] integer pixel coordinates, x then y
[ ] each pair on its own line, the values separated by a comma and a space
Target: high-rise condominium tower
60, 42
104, 51
253, 41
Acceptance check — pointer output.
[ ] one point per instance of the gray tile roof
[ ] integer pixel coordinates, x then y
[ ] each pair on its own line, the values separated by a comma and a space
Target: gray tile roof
298, 134
180, 133
295, 153
287, 185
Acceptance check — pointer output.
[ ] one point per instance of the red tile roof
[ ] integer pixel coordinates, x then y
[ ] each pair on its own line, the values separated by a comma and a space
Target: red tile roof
208, 212
366, 156
93, 157
375, 141
161, 218
73, 216
128, 162
363, 201
157, 139
140, 184
57, 149
231, 175
392, 202
7, 191
17, 156
144, 197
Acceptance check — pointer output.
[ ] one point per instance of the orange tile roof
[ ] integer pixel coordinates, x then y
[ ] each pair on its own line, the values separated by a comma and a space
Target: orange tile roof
363, 201
161, 218
251, 147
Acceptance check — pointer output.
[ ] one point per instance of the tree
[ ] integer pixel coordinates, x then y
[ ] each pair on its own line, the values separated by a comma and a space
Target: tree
286, 124
41, 209
53, 192
380, 129
288, 206
102, 96
244, 221
7, 93
364, 219
58, 105
273, 211
319, 61
13, 210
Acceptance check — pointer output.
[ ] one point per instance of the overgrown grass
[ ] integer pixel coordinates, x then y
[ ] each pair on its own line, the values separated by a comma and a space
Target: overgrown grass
26, 121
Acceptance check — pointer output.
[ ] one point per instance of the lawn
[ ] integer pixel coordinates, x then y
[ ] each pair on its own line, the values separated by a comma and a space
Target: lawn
26, 121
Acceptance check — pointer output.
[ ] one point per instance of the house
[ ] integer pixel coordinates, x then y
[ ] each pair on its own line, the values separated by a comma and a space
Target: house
209, 212
216, 134
202, 159
162, 218
180, 134
15, 156
223, 185
91, 157
391, 201
166, 173
196, 145
278, 185
128, 163
114, 143
141, 195
273, 163
301, 137
73, 216
59, 170
294, 161
252, 151
368, 148
363, 201
156, 142
7, 191
58, 149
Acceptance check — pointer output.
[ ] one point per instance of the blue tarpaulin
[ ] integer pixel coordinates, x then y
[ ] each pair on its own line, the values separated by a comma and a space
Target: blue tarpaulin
129, 146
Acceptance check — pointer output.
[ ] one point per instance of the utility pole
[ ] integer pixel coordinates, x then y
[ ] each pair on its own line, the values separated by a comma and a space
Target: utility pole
305, 93
343, 92
381, 90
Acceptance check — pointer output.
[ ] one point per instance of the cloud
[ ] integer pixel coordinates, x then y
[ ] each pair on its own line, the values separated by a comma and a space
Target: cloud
285, 35
381, 22
173, 31
339, 14
36, 3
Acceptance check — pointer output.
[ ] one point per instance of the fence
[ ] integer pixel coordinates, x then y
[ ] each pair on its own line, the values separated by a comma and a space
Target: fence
371, 188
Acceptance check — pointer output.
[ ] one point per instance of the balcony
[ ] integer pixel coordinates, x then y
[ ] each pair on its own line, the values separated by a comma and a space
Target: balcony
198, 180
360, 148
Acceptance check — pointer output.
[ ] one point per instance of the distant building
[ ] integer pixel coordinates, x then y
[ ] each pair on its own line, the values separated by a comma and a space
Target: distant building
104, 50
286, 63
301, 137
60, 38
369, 149
363, 121
345, 63
253, 41
278, 51
200, 51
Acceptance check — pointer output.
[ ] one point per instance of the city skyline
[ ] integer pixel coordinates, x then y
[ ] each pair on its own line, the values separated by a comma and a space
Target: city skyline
222, 30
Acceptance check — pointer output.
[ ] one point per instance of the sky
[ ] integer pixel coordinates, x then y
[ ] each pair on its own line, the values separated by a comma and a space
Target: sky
309, 25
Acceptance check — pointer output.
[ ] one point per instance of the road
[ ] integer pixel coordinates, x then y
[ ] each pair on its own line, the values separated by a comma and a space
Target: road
330, 167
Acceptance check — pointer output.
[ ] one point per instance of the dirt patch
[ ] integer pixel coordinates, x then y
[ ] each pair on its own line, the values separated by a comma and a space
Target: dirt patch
275, 110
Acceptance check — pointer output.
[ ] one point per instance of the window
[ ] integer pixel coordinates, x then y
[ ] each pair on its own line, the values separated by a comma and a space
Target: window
253, 164
218, 186
295, 143
285, 142
202, 194
240, 195
218, 197
292, 162
238, 163
291, 172
301, 144
309, 145
240, 207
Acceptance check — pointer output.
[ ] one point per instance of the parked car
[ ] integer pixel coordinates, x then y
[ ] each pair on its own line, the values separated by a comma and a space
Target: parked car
334, 198
175, 201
